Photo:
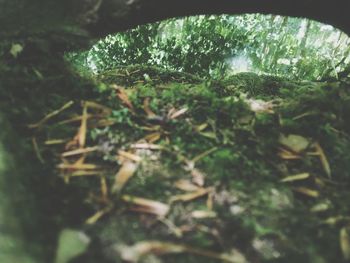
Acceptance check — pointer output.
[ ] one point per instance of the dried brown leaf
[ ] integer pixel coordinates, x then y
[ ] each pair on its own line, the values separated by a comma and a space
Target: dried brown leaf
178, 113
124, 174
123, 96
191, 196
147, 206
186, 185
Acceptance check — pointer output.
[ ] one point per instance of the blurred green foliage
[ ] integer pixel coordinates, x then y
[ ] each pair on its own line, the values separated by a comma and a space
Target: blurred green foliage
213, 46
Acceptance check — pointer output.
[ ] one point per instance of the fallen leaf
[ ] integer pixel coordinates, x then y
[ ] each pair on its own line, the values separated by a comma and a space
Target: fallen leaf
323, 159
307, 191
288, 155
178, 113
321, 207
337, 220
136, 252
297, 177
147, 109
210, 135
147, 206
186, 185
293, 142
260, 106
130, 156
153, 137
191, 196
120, 91
201, 127
201, 214
16, 49
344, 239
71, 243
197, 177
124, 174
94, 105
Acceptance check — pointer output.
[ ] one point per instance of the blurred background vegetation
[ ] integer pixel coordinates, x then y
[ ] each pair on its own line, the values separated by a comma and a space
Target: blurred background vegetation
215, 46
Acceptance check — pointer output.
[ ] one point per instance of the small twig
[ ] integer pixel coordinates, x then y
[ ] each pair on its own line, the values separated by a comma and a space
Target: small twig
37, 150
51, 115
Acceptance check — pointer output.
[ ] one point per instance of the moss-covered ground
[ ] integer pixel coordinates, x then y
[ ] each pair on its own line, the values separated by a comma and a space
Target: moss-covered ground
160, 166
166, 167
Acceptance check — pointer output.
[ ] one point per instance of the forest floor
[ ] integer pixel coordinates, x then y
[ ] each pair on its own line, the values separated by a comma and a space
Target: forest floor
165, 167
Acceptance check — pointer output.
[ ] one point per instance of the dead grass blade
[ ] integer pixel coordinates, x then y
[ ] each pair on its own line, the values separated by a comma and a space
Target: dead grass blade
297, 177
79, 151
191, 196
81, 136
146, 146
78, 166
85, 173
75, 119
204, 154
54, 142
51, 115
147, 206
93, 219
